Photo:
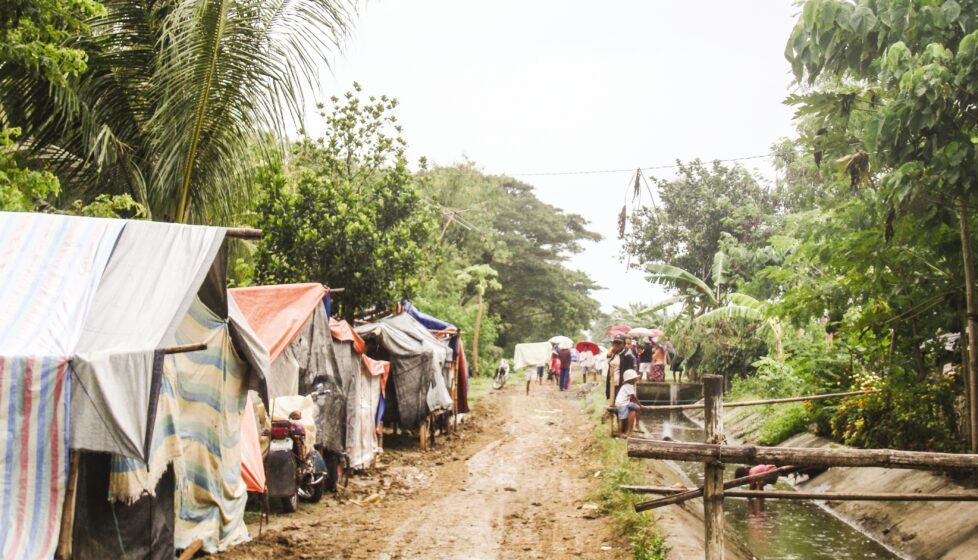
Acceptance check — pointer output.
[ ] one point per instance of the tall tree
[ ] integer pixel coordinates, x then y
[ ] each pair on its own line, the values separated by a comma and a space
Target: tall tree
174, 94
911, 67
697, 207
346, 211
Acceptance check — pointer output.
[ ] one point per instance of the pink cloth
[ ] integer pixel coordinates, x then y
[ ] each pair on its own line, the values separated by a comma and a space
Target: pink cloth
761, 469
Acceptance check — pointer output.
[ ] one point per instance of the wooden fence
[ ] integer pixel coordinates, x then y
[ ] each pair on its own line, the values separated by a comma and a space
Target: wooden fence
714, 453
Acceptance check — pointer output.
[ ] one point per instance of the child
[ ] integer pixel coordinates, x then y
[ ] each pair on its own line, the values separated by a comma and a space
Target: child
626, 403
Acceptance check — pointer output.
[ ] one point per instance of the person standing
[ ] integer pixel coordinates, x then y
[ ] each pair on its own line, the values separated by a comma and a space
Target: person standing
658, 371
565, 364
587, 362
611, 382
645, 360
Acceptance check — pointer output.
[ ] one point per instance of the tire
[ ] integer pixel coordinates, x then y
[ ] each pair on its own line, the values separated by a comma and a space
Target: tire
314, 492
291, 503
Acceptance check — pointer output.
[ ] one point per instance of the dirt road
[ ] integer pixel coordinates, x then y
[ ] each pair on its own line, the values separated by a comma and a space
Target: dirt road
514, 483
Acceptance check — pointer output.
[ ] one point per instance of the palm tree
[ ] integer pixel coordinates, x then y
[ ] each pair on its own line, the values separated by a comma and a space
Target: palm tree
746, 308
175, 94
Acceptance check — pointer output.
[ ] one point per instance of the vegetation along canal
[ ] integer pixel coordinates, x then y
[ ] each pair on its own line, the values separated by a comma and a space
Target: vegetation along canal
785, 529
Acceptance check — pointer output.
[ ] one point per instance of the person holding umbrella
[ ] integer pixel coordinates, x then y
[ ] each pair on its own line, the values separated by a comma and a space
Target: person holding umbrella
587, 350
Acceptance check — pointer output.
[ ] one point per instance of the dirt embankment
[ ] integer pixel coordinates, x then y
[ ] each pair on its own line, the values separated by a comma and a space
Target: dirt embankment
926, 530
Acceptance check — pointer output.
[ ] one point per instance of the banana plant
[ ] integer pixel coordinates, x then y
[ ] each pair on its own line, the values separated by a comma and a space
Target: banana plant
746, 308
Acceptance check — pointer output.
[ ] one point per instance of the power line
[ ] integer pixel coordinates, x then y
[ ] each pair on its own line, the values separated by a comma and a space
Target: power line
630, 169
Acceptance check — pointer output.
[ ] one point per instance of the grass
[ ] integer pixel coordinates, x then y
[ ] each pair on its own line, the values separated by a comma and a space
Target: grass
479, 387
646, 542
779, 421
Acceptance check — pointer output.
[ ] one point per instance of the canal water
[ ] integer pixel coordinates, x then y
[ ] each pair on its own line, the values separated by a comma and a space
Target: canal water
785, 529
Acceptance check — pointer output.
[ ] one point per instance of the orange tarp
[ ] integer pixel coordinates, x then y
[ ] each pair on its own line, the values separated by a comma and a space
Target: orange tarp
252, 467
277, 313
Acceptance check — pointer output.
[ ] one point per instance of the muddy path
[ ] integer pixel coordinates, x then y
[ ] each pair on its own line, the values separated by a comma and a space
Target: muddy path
514, 482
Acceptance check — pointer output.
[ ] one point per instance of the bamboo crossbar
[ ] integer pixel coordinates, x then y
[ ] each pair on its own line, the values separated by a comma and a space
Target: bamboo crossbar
243, 233
668, 407
682, 495
802, 456
185, 348
826, 496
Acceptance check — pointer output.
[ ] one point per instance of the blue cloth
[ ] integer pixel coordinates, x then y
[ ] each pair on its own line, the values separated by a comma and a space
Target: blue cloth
380, 410
564, 378
328, 304
624, 410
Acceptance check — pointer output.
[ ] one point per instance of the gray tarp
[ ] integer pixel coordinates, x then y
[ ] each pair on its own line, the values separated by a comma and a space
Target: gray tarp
421, 367
150, 281
313, 349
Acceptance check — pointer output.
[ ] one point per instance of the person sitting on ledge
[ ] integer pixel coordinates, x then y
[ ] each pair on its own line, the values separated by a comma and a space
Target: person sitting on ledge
626, 403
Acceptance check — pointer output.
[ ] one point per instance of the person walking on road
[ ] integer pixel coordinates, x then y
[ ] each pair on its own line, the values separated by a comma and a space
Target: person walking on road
565, 357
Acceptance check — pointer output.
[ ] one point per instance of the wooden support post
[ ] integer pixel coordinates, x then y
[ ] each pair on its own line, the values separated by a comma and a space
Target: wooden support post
243, 233
184, 349
189, 552
826, 496
713, 475
68, 510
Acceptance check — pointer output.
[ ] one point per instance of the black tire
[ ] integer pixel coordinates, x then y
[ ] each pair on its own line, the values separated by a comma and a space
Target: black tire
314, 492
290, 504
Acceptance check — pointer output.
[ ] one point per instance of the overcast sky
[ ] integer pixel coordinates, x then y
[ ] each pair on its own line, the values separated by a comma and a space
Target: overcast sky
558, 86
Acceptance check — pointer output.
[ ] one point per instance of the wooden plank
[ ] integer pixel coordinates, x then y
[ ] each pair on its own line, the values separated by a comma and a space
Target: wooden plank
189, 552
801, 456
713, 472
690, 494
827, 496
668, 407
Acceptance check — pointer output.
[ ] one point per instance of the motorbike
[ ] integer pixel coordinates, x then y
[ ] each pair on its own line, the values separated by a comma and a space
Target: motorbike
294, 472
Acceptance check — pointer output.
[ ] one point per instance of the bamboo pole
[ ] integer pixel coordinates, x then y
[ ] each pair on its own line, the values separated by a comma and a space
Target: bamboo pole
826, 496
972, 308
690, 494
713, 475
185, 348
189, 552
68, 511
243, 233
802, 456
761, 402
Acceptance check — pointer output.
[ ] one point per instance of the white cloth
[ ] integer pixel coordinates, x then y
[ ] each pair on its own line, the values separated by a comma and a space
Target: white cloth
625, 394
532, 354
587, 359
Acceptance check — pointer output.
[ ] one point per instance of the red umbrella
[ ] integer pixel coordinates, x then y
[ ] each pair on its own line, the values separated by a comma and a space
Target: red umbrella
588, 345
619, 329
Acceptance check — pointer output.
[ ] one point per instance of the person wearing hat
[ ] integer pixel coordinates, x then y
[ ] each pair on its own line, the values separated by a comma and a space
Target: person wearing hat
626, 403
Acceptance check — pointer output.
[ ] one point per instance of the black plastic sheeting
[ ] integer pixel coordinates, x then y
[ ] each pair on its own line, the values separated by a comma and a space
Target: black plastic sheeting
105, 530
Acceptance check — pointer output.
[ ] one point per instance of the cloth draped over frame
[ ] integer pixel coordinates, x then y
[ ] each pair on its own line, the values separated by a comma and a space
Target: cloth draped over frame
420, 367
95, 299
445, 330
198, 430
532, 354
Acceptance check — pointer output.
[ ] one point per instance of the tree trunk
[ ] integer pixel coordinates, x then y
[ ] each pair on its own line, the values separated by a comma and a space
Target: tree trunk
475, 338
969, 290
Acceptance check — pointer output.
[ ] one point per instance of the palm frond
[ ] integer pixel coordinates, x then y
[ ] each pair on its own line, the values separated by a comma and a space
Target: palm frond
675, 277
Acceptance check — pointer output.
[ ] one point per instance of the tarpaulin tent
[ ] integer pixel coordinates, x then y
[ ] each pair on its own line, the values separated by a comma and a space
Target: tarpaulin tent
420, 368
443, 329
95, 301
292, 322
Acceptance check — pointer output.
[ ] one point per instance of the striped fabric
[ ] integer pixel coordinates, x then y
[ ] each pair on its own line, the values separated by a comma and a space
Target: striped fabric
198, 429
33, 454
50, 267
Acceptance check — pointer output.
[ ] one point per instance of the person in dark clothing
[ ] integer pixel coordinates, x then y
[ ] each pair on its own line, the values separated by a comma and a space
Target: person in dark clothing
645, 358
565, 364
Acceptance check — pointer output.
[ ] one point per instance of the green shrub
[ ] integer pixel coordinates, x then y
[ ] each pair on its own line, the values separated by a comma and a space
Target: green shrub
783, 422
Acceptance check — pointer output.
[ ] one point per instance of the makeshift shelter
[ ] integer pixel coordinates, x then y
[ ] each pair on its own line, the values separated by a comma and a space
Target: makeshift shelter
292, 322
97, 301
460, 370
421, 369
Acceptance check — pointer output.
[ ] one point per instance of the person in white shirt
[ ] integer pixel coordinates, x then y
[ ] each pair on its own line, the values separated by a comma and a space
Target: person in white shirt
587, 363
626, 403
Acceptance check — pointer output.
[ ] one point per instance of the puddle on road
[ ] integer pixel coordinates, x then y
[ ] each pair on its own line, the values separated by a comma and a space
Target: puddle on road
786, 529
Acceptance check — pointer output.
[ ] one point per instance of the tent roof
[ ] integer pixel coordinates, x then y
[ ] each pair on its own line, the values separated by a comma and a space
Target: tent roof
277, 313
428, 321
